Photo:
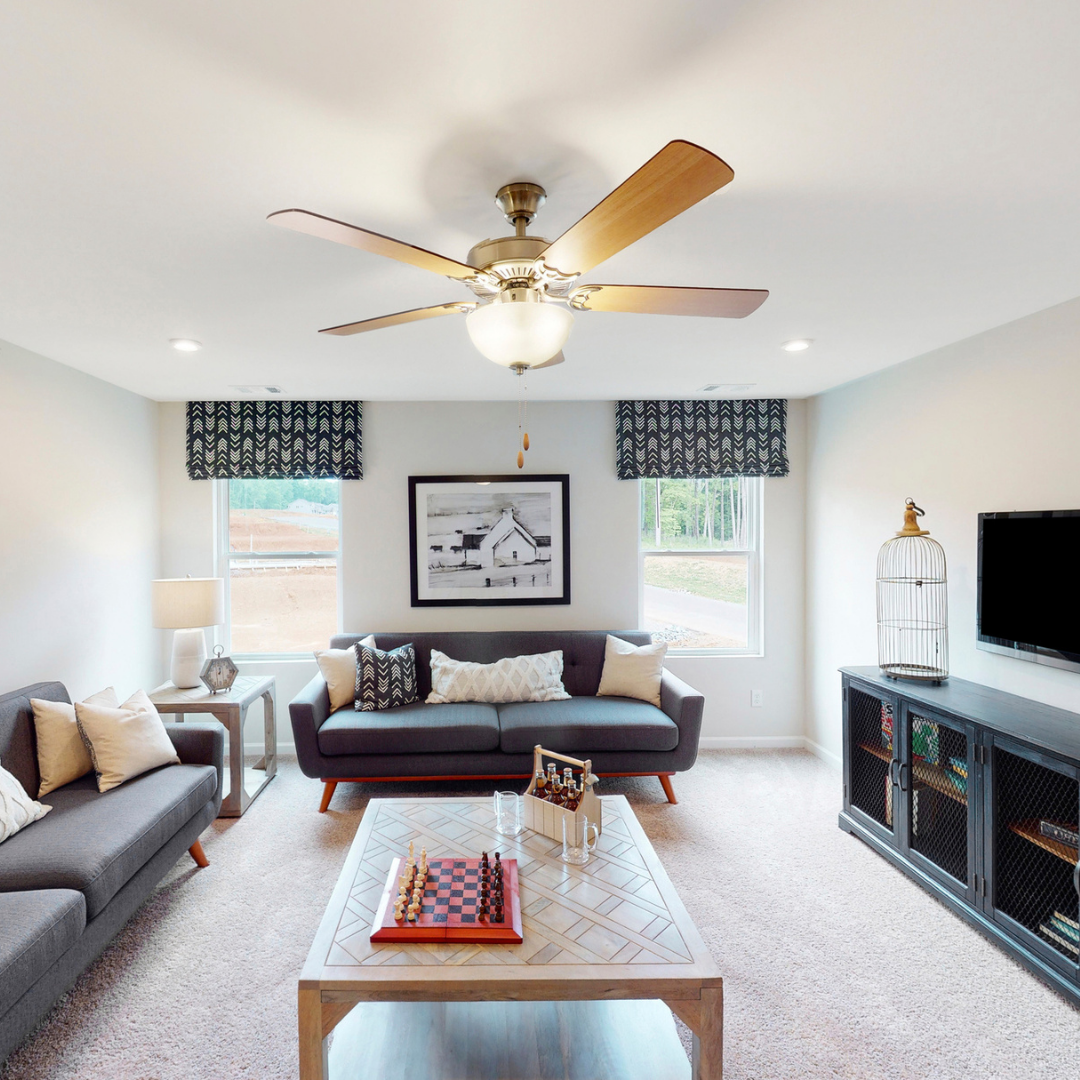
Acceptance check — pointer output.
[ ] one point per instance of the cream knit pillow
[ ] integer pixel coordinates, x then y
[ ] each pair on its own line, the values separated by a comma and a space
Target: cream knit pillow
338, 667
124, 742
632, 671
517, 678
61, 753
17, 809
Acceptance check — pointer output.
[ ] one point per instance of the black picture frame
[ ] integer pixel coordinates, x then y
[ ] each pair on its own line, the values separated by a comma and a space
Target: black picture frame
536, 495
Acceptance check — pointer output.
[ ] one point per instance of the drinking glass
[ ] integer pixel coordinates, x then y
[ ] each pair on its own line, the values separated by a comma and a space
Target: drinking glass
575, 839
507, 813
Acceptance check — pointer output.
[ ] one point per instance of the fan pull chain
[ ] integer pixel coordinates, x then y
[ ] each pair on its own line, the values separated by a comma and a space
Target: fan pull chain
520, 456
525, 396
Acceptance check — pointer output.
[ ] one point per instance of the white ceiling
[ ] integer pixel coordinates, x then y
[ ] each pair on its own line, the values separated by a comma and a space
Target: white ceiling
906, 175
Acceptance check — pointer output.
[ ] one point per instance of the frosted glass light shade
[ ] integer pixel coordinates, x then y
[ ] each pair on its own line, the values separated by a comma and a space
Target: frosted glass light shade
182, 603
515, 333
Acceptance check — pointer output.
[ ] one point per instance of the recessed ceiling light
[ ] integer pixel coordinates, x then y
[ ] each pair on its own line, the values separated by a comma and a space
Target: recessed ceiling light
185, 344
256, 389
797, 344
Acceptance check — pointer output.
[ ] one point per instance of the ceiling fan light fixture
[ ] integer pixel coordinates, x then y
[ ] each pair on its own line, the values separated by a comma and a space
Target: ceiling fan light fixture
518, 329
797, 344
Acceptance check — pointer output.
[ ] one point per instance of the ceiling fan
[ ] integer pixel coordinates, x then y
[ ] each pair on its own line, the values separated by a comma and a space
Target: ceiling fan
525, 285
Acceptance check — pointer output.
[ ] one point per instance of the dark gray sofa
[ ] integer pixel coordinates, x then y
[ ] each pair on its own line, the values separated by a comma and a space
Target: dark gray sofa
72, 879
622, 736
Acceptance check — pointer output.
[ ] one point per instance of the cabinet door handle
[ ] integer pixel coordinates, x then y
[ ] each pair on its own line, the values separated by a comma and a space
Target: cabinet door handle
892, 772
1076, 877
903, 765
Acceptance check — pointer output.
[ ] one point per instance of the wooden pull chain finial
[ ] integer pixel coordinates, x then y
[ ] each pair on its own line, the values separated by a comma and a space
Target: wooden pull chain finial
525, 441
521, 460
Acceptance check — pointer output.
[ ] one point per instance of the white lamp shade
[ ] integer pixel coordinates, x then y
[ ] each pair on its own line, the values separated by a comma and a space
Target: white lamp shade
523, 334
182, 603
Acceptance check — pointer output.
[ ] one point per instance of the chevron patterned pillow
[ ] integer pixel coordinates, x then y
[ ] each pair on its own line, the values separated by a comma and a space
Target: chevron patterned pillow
515, 678
385, 680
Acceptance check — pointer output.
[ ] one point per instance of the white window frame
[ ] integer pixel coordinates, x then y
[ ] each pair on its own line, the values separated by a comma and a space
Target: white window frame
755, 575
223, 559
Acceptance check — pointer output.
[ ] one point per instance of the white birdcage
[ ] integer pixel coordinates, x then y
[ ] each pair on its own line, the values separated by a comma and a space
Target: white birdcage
913, 604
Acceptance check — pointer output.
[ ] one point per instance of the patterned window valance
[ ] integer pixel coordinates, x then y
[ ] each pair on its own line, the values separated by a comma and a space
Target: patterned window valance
679, 439
229, 440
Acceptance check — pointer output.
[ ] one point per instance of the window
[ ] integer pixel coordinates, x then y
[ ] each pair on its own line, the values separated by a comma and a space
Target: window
280, 541
701, 564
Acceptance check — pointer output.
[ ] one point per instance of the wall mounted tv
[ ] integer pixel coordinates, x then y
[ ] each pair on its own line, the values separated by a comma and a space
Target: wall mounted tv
1029, 586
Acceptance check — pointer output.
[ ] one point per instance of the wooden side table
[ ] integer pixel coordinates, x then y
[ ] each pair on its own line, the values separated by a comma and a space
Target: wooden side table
230, 708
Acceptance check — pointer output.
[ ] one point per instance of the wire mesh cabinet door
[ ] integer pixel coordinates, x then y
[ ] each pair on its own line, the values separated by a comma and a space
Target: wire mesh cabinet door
871, 759
938, 796
1032, 877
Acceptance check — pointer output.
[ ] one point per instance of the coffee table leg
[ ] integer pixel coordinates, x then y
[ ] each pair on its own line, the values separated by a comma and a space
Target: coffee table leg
705, 1019
314, 1063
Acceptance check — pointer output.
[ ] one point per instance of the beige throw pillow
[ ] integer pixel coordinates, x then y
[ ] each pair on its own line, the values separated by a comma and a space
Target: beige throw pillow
632, 670
517, 678
124, 742
61, 753
17, 809
338, 667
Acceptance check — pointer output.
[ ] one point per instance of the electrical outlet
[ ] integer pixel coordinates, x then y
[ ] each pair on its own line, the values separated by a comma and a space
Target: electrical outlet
757, 698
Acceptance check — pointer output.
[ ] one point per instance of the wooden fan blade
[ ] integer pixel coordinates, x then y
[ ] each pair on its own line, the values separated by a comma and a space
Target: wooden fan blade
316, 225
558, 358
666, 185
415, 315
669, 300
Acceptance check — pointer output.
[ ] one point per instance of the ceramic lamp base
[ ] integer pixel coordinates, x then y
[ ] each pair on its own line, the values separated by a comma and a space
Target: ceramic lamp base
188, 657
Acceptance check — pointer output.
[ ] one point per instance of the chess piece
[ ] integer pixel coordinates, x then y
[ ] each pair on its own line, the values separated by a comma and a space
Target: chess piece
399, 910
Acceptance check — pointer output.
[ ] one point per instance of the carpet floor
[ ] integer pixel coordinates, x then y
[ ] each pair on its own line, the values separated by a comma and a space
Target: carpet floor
835, 965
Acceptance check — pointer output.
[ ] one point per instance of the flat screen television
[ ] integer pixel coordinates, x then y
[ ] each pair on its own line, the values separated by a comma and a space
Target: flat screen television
1029, 586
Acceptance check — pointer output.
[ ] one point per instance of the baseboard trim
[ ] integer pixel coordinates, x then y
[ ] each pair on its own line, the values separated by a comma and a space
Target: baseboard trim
752, 742
826, 755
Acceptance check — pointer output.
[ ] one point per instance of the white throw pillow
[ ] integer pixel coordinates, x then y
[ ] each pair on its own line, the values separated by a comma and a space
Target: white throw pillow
516, 678
338, 667
61, 753
632, 670
17, 809
124, 742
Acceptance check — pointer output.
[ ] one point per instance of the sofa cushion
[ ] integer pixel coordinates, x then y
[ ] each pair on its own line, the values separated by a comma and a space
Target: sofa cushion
36, 929
585, 724
95, 842
418, 728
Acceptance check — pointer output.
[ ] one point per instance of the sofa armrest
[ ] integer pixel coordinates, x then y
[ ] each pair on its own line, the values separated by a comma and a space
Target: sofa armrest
200, 744
685, 706
308, 712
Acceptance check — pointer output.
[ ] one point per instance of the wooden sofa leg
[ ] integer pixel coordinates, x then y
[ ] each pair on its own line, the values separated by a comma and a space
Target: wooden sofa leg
665, 783
197, 853
327, 795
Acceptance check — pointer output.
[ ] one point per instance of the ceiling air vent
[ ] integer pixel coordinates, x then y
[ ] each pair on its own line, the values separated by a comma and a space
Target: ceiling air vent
729, 388
258, 391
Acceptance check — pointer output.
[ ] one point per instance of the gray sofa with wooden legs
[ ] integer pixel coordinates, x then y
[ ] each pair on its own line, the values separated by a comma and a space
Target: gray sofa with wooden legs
72, 879
475, 740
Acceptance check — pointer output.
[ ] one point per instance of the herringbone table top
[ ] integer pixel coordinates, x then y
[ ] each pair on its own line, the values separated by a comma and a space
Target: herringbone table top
616, 917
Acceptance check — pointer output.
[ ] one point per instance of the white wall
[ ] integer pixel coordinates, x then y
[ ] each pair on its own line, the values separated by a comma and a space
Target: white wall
79, 539
987, 424
430, 438
727, 682
403, 439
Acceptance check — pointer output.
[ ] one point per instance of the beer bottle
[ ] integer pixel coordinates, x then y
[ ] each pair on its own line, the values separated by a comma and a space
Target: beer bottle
540, 784
573, 798
558, 793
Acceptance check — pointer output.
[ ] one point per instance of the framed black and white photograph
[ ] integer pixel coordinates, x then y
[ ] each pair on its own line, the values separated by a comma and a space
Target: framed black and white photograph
486, 540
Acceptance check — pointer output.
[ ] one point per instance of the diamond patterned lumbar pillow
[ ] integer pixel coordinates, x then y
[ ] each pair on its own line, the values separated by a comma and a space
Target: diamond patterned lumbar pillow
384, 680
516, 678
17, 809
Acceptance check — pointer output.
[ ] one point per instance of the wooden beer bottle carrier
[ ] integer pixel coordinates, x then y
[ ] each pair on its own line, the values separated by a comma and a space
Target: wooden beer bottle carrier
544, 817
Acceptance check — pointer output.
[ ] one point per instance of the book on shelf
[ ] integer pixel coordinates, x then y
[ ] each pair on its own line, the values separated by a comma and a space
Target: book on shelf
1065, 927
1059, 831
958, 765
1066, 920
1054, 935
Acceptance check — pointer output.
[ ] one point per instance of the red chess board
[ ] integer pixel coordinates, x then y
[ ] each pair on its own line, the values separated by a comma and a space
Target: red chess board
448, 909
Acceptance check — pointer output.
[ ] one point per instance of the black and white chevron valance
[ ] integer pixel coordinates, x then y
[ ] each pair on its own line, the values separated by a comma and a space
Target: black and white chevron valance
230, 440
682, 439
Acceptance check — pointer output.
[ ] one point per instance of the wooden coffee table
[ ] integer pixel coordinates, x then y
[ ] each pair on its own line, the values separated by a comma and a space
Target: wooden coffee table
606, 947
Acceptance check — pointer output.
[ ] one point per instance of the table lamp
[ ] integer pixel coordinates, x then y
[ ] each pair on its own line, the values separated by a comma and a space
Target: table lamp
186, 605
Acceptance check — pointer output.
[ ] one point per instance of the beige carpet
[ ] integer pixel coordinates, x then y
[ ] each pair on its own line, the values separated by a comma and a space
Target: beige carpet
835, 965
